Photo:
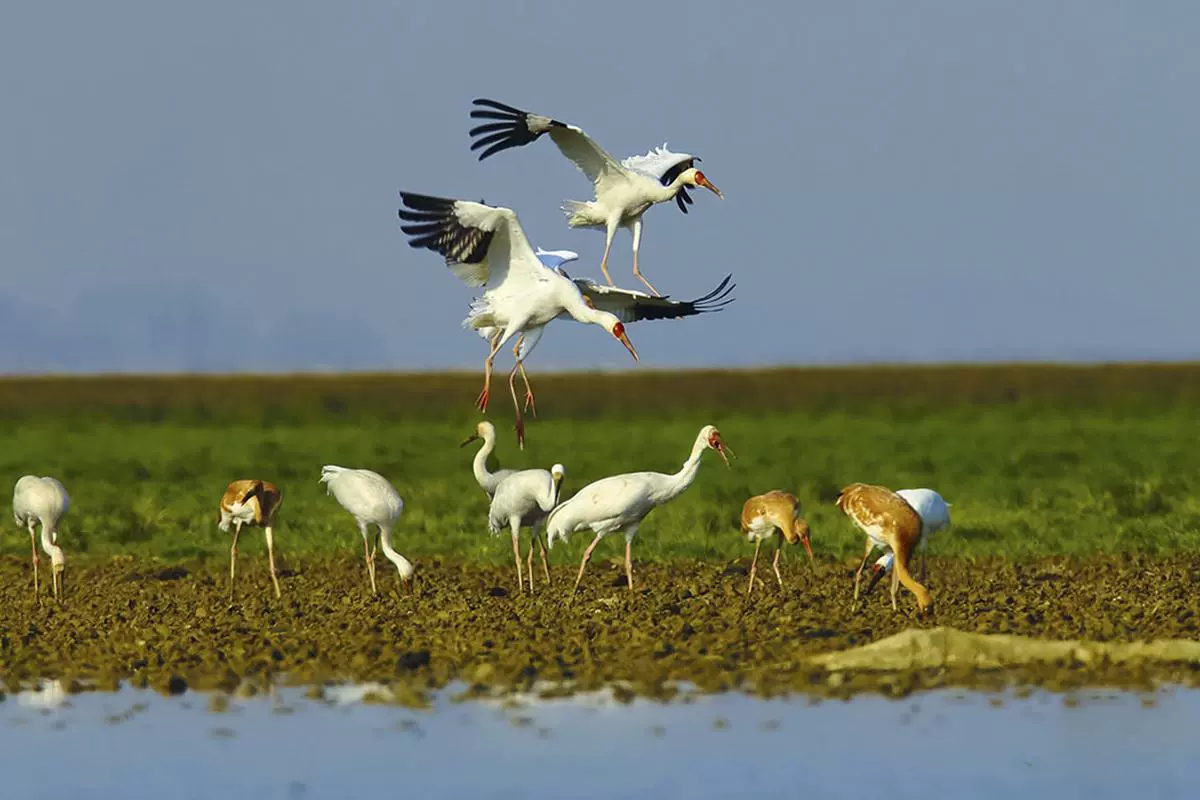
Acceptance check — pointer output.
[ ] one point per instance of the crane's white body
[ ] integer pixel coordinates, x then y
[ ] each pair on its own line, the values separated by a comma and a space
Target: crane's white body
624, 190
44, 501
523, 499
619, 504
371, 500
934, 513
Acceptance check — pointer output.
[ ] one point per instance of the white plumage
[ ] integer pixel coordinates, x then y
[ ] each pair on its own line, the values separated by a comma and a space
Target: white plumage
620, 503
371, 500
935, 515
45, 501
485, 246
522, 500
624, 190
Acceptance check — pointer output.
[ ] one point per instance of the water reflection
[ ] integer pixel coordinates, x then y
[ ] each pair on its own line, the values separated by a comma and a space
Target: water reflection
341, 742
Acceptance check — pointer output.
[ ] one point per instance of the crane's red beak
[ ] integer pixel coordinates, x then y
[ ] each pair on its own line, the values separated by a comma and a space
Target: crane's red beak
619, 332
807, 548
707, 184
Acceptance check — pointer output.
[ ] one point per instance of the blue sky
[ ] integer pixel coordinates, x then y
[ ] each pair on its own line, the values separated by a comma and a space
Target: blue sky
213, 186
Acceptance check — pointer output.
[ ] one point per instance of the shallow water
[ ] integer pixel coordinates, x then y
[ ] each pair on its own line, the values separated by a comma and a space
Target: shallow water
137, 744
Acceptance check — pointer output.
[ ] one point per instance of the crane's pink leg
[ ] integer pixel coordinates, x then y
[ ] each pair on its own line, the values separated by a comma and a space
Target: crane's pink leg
33, 545
753, 567
629, 563
494, 347
529, 561
775, 563
542, 552
610, 231
637, 241
587, 554
521, 366
237, 529
368, 557
858, 574
516, 526
517, 406
271, 559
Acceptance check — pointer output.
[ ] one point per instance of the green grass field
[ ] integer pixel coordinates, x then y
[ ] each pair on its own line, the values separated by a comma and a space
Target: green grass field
1035, 460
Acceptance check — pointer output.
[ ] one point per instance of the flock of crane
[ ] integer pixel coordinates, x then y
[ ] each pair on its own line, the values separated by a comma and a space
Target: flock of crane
525, 289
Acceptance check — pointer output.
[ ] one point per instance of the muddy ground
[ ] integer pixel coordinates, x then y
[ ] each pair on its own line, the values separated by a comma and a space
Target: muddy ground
173, 627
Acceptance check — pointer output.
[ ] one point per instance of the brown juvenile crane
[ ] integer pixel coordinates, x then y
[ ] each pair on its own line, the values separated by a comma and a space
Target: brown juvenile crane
889, 522
773, 513
250, 502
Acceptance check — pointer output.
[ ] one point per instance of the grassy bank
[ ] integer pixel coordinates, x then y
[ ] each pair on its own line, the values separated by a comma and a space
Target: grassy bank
1036, 460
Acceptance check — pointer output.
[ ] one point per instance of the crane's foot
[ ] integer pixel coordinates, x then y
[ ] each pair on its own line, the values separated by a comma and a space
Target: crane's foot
482, 401
530, 405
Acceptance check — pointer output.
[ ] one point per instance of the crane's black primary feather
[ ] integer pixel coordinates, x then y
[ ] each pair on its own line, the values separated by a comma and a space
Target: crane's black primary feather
436, 227
682, 199
636, 307
510, 130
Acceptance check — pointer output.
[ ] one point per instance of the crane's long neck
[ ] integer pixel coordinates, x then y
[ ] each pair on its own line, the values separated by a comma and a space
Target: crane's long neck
661, 193
678, 483
48, 546
479, 466
404, 566
580, 311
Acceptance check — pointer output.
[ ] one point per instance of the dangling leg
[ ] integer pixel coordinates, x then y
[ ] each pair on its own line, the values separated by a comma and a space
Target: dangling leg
858, 574
753, 567
637, 241
271, 559
530, 405
494, 348
609, 231
512, 376
775, 563
237, 529
515, 522
587, 554
33, 544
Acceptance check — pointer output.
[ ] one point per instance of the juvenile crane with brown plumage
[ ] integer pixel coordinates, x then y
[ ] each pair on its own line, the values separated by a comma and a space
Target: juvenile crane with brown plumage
250, 502
889, 522
774, 513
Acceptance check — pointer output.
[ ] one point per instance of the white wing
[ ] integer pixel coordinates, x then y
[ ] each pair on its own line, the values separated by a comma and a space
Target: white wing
483, 245
658, 162
513, 127
630, 305
556, 258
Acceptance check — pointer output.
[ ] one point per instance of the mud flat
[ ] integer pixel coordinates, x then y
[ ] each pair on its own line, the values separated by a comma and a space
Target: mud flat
172, 628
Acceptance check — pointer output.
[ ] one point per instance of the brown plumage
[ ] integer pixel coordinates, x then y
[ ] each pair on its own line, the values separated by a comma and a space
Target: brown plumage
250, 502
890, 522
773, 513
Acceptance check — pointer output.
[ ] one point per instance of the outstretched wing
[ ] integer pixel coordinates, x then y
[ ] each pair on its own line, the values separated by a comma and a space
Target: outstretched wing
665, 166
512, 127
483, 245
630, 305
554, 259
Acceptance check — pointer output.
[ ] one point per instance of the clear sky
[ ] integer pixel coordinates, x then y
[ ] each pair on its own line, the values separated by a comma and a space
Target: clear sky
213, 186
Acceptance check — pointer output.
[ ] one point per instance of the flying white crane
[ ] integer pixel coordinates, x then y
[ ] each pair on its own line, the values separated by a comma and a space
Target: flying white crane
624, 190
523, 499
488, 481
372, 501
485, 246
621, 502
43, 500
935, 515
250, 502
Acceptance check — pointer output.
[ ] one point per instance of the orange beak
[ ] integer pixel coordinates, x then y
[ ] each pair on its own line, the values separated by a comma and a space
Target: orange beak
628, 346
807, 548
722, 449
707, 184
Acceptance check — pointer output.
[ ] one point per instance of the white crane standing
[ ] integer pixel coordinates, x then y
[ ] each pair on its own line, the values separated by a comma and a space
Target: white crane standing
250, 502
488, 481
624, 190
484, 246
372, 501
523, 499
620, 503
45, 501
934, 512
